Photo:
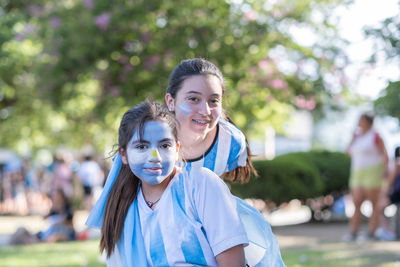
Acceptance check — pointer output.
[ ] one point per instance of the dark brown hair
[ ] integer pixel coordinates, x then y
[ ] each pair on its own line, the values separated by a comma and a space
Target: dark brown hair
369, 117
198, 66
191, 67
125, 187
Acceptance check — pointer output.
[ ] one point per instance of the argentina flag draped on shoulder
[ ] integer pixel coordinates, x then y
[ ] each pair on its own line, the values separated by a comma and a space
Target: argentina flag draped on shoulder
129, 250
228, 152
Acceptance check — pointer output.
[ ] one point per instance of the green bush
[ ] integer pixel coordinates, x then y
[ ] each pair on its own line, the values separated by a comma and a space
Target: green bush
334, 167
298, 175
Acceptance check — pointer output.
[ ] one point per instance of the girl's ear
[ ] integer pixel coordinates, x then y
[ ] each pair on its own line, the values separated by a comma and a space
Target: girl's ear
170, 101
124, 157
178, 146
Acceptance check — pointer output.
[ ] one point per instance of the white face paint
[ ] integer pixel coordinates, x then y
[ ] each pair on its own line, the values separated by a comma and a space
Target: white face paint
152, 159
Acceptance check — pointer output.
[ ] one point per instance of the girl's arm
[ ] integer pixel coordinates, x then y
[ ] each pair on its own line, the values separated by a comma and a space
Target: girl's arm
233, 257
348, 149
382, 150
216, 209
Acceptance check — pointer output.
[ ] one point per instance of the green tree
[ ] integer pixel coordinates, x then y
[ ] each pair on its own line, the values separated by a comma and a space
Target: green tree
388, 103
387, 37
70, 68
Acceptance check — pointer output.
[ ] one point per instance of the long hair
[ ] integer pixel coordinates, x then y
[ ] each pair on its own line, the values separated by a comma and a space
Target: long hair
125, 187
241, 174
198, 66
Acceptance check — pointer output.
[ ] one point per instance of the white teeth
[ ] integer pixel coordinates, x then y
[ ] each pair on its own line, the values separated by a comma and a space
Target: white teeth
202, 122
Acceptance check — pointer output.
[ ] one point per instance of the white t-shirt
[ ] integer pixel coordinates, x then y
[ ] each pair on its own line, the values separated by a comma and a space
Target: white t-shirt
364, 151
195, 220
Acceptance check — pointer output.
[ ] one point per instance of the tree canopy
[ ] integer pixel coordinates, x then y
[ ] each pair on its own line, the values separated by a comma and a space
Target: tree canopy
70, 68
387, 35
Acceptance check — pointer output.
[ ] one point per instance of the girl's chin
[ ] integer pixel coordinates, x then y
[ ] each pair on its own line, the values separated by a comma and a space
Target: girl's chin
200, 129
195, 130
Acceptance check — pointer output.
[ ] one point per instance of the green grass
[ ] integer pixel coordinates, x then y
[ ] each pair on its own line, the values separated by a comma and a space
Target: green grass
340, 254
58, 254
87, 254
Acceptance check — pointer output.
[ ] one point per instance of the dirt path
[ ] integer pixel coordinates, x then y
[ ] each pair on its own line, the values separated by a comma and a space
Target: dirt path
325, 239
309, 234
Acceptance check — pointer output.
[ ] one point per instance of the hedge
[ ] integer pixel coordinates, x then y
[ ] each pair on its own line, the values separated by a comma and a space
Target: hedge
298, 175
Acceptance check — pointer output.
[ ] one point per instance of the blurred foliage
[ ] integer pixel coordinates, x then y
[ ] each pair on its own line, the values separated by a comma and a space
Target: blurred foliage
300, 175
333, 167
387, 35
389, 102
70, 68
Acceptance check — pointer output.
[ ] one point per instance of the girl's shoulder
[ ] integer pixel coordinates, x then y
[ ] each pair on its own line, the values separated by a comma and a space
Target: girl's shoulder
231, 130
228, 126
199, 177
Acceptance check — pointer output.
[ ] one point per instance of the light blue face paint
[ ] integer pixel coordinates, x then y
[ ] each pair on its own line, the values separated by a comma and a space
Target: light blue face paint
216, 112
153, 158
185, 109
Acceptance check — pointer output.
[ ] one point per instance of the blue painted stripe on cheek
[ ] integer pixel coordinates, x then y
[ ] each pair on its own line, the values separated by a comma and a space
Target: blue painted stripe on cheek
216, 112
185, 108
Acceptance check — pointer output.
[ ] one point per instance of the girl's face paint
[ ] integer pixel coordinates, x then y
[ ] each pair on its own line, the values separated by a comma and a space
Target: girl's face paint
198, 104
152, 158
185, 108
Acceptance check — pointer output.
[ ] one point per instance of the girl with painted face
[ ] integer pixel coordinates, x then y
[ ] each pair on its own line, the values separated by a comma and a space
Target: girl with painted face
209, 139
157, 214
208, 136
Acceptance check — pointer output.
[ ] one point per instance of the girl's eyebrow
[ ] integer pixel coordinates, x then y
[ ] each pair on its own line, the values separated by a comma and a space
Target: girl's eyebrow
216, 95
166, 140
198, 93
140, 142
147, 142
193, 92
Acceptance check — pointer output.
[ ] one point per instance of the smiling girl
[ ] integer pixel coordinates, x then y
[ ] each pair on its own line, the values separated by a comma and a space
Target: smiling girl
209, 139
157, 214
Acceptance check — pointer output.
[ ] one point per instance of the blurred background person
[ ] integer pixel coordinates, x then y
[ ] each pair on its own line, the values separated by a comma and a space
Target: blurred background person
390, 194
60, 220
369, 163
63, 174
13, 183
91, 177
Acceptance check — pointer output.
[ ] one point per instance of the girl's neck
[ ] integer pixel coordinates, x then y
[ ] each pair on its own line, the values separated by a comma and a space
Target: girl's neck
365, 130
153, 192
194, 147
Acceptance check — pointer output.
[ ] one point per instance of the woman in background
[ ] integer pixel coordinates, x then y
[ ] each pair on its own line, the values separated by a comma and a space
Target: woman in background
369, 161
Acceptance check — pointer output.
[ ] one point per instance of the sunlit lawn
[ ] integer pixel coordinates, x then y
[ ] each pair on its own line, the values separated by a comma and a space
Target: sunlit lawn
58, 254
86, 254
339, 254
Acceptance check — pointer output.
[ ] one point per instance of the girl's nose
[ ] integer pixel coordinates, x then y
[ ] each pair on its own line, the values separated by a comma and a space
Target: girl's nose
204, 108
155, 155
